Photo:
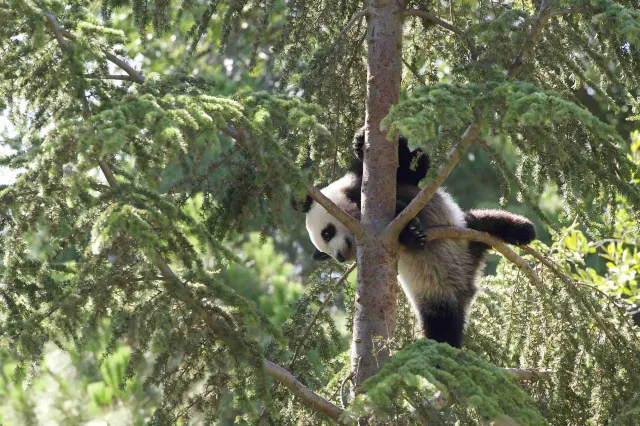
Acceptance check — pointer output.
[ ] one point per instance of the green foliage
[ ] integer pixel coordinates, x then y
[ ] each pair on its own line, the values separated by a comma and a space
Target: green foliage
439, 384
76, 249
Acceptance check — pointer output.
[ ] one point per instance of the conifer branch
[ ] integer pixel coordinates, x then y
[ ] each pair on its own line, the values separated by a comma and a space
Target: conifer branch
61, 35
324, 304
432, 18
421, 200
520, 374
346, 219
454, 233
310, 398
517, 66
109, 77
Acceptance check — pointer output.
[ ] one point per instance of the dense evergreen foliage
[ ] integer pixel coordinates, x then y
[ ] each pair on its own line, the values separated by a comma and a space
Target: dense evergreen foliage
158, 144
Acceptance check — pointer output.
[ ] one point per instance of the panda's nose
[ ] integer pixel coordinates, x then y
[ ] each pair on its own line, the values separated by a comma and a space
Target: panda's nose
340, 257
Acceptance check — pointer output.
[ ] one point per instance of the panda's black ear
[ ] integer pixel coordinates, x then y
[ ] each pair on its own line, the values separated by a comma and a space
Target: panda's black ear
320, 255
302, 206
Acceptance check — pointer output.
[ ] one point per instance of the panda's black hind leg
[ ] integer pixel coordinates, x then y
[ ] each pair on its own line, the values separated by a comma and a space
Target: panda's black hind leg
412, 236
509, 227
443, 322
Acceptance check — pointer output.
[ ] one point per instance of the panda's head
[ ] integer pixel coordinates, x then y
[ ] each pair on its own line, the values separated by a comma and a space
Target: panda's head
332, 238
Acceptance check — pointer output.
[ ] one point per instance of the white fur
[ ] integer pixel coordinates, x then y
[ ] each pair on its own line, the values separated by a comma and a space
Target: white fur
318, 218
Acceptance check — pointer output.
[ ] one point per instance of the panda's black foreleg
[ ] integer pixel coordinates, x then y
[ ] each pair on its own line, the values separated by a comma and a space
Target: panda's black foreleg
412, 236
443, 322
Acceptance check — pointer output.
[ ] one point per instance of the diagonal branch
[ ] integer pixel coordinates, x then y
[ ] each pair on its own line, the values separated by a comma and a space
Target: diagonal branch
109, 77
517, 66
432, 18
346, 219
62, 35
421, 200
454, 233
353, 224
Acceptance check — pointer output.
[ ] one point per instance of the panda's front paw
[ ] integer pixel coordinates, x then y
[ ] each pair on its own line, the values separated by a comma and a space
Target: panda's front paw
412, 236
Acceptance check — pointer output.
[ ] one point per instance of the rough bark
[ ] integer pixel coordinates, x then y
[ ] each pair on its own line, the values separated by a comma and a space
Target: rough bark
375, 306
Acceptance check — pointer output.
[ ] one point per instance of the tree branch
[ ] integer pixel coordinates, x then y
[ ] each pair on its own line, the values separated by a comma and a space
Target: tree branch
421, 200
61, 34
517, 66
432, 18
454, 233
324, 304
109, 77
309, 398
520, 374
345, 218
414, 71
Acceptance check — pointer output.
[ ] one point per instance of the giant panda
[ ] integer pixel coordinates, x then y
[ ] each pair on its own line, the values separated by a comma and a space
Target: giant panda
439, 277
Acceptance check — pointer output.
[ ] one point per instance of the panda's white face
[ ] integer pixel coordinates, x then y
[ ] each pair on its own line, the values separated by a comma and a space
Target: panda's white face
326, 232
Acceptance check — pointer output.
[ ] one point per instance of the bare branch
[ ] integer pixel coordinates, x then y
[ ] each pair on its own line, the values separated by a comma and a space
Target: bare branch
454, 233
414, 71
109, 77
358, 16
52, 23
517, 66
345, 218
310, 398
421, 200
432, 18
520, 374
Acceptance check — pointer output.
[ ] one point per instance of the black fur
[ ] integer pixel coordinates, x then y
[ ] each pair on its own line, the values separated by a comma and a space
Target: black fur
302, 206
412, 165
443, 322
511, 228
412, 236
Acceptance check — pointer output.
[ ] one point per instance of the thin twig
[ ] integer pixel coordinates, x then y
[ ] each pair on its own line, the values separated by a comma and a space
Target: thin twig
517, 66
324, 304
414, 71
520, 374
421, 200
109, 77
432, 18
59, 33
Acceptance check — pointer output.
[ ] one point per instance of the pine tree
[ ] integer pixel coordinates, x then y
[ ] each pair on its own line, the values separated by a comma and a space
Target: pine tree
101, 223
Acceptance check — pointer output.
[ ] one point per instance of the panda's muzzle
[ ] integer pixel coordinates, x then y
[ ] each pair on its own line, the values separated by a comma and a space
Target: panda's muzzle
339, 257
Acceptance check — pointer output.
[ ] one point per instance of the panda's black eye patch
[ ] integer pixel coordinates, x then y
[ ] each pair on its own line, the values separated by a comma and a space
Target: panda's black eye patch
328, 233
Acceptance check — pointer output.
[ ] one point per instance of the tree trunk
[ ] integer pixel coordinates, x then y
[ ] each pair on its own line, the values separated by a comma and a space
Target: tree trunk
375, 303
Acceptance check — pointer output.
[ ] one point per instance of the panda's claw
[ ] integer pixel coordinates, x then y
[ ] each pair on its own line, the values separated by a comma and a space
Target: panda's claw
412, 236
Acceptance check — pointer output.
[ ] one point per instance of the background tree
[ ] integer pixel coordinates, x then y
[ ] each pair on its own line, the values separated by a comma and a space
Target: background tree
137, 187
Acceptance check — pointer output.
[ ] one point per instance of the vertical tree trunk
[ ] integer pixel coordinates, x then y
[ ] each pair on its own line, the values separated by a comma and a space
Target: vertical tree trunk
375, 307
